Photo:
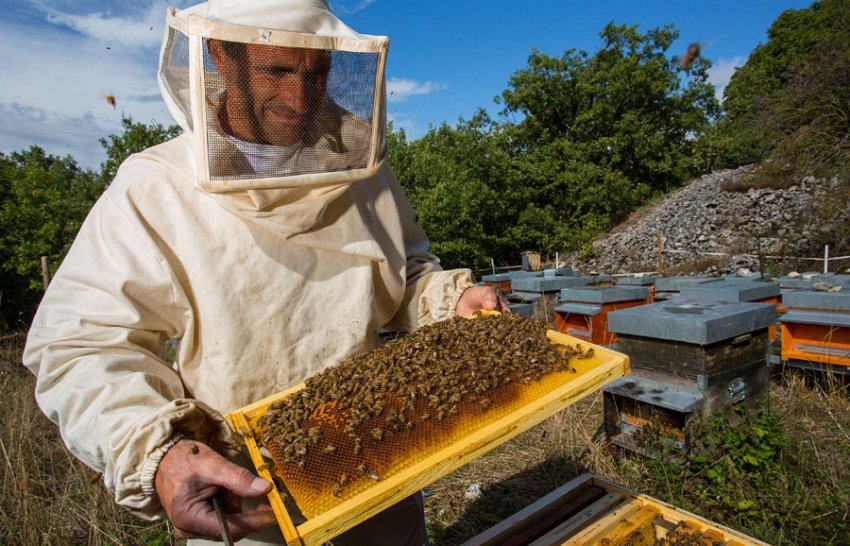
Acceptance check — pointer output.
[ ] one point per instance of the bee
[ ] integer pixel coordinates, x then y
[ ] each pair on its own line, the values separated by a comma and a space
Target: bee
330, 448
343, 481
691, 55
110, 100
366, 471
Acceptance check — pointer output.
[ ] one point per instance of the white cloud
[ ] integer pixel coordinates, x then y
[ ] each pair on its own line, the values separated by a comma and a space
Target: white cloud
55, 89
349, 7
141, 31
721, 73
24, 126
400, 120
400, 89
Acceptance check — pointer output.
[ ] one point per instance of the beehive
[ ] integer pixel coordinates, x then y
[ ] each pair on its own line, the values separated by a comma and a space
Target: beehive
361, 436
592, 510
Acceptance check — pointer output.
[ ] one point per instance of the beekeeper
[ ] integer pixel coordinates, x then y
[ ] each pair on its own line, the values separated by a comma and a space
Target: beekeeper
270, 239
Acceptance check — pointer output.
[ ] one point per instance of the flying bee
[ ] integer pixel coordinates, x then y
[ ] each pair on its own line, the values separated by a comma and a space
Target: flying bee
110, 100
691, 55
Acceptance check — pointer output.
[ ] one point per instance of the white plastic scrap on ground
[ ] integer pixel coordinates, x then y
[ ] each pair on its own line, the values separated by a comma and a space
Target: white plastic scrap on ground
472, 492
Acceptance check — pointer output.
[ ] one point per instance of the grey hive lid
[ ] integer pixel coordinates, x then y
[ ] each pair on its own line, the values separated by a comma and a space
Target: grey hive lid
604, 294
731, 290
522, 274
822, 318
637, 281
835, 301
656, 393
498, 277
692, 321
585, 309
674, 284
546, 284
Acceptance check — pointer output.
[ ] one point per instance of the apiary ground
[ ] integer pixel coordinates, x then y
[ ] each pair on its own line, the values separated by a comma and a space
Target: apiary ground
362, 422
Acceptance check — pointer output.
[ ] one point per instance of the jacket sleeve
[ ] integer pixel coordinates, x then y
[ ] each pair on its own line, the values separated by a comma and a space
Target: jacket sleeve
431, 293
94, 347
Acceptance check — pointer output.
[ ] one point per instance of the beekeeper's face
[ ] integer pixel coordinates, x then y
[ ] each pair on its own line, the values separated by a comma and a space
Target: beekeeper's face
272, 93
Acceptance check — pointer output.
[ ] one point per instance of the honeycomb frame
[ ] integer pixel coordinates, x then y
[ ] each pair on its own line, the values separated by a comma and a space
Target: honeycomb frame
590, 375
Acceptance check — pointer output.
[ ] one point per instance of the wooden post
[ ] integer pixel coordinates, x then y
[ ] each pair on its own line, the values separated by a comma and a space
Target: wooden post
825, 259
45, 272
660, 260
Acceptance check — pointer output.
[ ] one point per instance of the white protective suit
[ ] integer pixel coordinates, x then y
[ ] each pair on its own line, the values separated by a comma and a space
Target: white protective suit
264, 282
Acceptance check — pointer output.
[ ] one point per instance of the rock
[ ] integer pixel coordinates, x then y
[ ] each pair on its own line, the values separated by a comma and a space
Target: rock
702, 217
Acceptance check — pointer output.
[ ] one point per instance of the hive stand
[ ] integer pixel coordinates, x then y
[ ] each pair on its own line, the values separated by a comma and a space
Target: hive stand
690, 359
816, 331
585, 313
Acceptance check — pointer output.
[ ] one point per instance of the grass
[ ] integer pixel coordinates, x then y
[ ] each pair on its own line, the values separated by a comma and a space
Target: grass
49, 497
779, 475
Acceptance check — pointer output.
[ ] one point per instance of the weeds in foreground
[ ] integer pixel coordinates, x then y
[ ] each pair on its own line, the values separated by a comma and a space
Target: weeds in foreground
47, 496
779, 475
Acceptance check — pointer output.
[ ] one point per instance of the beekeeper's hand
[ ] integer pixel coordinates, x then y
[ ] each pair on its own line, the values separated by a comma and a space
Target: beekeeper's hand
477, 298
189, 475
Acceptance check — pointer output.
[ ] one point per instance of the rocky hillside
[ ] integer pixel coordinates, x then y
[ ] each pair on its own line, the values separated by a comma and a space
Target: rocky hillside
721, 222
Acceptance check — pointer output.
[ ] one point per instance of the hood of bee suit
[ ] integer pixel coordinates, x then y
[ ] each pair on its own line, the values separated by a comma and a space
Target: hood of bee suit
284, 103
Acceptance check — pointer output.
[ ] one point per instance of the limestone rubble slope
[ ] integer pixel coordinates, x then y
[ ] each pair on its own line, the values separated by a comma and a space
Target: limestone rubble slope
713, 214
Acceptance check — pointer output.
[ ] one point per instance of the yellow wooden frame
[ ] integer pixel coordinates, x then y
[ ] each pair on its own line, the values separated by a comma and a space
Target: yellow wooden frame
595, 373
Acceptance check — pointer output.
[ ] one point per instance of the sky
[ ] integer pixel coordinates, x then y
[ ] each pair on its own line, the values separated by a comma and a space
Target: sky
447, 59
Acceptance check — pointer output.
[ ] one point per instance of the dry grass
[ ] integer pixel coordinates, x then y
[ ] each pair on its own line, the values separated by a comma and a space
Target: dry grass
48, 497
811, 491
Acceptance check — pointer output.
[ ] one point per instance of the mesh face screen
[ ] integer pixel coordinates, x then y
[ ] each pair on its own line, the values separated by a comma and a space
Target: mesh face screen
277, 111
175, 71
376, 414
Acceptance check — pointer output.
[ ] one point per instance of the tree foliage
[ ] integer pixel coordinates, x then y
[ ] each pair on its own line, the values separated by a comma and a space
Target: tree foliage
43, 202
790, 102
583, 140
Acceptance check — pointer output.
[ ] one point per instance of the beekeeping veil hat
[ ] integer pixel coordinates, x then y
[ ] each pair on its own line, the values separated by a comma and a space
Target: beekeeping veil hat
284, 102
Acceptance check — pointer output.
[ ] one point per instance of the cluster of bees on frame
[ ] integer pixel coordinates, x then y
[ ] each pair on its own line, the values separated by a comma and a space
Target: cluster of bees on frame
430, 376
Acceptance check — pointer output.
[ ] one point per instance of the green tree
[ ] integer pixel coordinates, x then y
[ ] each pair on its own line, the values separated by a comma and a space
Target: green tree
791, 100
597, 135
134, 138
454, 178
583, 141
627, 108
43, 201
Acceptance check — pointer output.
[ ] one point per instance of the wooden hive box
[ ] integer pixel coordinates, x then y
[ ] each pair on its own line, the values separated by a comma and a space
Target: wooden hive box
456, 447
592, 510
